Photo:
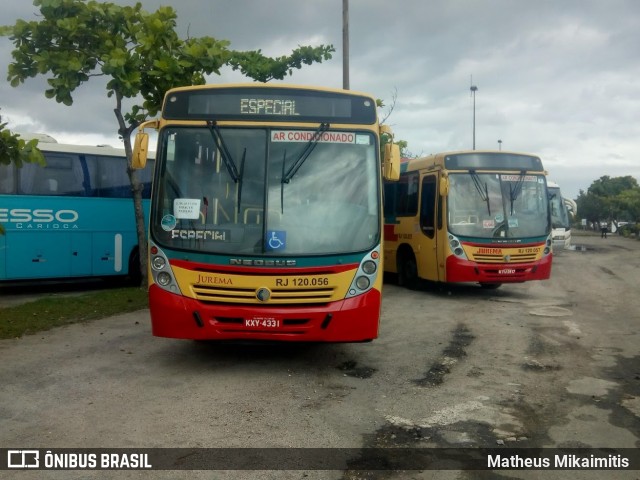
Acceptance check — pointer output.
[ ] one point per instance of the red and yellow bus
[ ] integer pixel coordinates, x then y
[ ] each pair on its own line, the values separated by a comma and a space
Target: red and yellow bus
266, 213
469, 216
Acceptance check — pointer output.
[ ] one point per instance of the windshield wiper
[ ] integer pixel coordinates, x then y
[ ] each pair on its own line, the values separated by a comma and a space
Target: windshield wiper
224, 151
514, 191
284, 159
484, 194
241, 176
311, 144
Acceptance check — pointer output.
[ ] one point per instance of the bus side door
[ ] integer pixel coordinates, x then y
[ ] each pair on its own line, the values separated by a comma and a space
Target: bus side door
428, 263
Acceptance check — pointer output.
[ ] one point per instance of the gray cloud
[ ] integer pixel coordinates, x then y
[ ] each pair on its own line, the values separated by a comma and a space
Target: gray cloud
558, 79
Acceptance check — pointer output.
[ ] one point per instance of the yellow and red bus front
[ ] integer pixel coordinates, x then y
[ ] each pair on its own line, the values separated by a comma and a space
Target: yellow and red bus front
266, 215
495, 263
257, 299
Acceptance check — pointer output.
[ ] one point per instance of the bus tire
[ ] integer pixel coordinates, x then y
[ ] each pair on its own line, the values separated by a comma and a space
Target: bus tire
407, 270
134, 275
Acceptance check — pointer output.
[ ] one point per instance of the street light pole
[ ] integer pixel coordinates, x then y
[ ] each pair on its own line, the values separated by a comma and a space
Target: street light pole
500, 145
345, 44
474, 89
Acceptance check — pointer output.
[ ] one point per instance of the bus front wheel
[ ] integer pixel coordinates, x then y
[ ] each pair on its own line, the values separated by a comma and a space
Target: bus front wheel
407, 270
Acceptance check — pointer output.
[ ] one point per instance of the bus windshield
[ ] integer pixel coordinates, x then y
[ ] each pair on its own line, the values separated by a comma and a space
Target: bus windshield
559, 214
261, 191
496, 205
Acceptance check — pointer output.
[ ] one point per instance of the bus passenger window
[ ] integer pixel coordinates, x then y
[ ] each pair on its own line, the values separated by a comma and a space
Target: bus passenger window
427, 207
406, 196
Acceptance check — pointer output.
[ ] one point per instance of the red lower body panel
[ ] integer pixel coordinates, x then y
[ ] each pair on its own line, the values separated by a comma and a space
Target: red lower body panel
465, 271
352, 320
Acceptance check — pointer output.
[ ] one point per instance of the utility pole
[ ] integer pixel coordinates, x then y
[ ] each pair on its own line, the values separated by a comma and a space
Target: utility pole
345, 44
474, 89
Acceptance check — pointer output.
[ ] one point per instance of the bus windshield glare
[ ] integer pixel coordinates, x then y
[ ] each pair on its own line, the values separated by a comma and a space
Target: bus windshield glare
559, 214
497, 205
261, 191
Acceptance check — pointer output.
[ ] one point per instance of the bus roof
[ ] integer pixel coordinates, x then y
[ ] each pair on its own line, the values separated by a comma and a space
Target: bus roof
87, 149
41, 137
274, 86
475, 160
98, 150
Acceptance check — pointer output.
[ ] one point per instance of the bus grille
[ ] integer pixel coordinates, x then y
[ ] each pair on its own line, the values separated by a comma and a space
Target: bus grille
499, 258
279, 296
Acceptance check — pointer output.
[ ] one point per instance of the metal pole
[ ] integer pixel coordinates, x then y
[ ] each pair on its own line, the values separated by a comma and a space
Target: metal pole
345, 44
474, 89
500, 145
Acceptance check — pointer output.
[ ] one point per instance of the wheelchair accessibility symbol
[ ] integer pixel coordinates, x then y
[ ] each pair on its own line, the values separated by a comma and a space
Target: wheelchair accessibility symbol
276, 239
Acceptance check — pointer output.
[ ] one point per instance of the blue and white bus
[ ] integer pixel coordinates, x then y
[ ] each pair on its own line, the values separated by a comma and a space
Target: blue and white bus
72, 218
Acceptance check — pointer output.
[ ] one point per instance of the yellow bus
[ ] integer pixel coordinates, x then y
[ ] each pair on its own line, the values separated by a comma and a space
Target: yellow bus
266, 213
469, 216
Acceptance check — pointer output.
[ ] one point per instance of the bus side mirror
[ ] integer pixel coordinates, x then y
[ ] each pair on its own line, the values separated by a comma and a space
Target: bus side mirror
140, 150
444, 186
391, 170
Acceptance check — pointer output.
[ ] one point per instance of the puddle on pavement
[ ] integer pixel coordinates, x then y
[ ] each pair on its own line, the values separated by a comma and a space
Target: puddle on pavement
551, 311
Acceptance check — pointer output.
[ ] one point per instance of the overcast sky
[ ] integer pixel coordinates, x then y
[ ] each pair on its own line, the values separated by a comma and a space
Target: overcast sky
560, 79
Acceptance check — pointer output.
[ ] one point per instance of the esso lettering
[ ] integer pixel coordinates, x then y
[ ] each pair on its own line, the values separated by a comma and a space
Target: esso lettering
39, 215
43, 216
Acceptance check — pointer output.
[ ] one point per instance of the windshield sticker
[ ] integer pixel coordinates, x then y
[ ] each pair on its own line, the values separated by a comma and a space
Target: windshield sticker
306, 136
488, 224
513, 222
213, 235
168, 223
362, 139
276, 240
518, 178
186, 208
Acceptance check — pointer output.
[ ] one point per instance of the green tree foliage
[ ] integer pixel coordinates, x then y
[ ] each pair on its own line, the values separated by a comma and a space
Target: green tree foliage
628, 202
610, 199
15, 150
611, 187
141, 56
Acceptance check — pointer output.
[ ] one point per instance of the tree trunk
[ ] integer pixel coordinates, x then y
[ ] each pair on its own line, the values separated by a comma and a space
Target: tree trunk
136, 189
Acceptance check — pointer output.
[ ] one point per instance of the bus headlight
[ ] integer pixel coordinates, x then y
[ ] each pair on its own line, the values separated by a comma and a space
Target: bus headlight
548, 248
163, 279
158, 263
362, 283
456, 247
369, 267
366, 275
161, 271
